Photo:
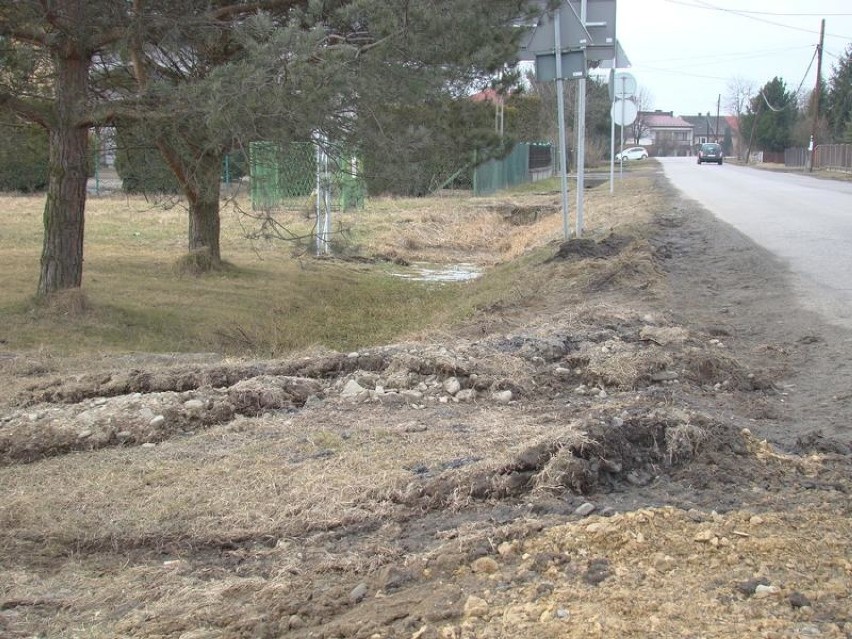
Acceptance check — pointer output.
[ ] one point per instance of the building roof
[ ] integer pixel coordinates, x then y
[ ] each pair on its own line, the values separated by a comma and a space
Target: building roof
661, 120
700, 119
733, 123
488, 95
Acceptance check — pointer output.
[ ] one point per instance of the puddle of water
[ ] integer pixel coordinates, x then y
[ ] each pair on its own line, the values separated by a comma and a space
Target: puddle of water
423, 272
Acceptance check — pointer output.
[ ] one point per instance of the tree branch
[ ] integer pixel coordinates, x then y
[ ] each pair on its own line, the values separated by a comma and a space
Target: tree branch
233, 10
38, 38
175, 163
26, 110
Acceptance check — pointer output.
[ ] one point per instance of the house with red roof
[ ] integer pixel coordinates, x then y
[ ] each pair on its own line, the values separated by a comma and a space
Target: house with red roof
663, 133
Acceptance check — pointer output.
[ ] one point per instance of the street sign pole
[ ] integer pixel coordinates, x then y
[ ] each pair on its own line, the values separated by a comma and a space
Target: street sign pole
581, 140
623, 106
612, 140
586, 30
560, 108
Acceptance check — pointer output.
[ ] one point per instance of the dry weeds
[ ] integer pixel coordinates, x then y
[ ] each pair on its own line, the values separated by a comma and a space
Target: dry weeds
302, 513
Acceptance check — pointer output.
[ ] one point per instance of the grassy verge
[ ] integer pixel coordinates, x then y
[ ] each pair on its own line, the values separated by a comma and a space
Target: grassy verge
268, 302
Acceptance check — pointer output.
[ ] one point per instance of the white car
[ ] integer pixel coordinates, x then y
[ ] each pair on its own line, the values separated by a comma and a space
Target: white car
634, 153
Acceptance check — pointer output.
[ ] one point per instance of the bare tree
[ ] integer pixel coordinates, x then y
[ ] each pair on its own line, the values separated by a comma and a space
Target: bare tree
644, 100
738, 95
737, 99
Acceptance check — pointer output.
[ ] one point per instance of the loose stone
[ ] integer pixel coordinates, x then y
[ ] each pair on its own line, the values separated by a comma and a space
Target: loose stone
503, 397
466, 395
358, 593
475, 607
452, 385
585, 510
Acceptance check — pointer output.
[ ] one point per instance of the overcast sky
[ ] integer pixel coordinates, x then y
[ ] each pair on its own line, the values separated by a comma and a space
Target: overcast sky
685, 52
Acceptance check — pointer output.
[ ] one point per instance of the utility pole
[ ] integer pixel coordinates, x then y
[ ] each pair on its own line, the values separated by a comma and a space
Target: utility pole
718, 109
754, 128
817, 91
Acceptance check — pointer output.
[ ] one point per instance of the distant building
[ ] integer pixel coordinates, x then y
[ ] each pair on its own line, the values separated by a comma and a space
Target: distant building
704, 128
723, 129
662, 133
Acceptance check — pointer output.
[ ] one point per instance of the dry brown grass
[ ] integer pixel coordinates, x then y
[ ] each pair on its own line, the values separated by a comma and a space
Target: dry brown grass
268, 478
268, 301
71, 303
251, 528
216, 533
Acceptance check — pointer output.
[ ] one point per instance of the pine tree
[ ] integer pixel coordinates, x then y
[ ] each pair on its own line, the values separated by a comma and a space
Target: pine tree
201, 76
50, 51
839, 98
770, 117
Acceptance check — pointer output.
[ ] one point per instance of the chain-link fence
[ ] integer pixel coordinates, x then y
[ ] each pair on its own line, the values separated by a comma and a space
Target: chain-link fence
312, 177
287, 176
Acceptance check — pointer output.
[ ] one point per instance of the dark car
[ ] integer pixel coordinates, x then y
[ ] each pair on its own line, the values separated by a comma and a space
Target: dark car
710, 152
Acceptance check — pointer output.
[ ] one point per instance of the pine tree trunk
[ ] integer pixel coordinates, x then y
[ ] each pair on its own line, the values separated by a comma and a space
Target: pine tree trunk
204, 223
64, 210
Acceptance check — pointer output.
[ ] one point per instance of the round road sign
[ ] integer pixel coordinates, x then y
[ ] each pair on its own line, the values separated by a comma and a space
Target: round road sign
624, 112
623, 85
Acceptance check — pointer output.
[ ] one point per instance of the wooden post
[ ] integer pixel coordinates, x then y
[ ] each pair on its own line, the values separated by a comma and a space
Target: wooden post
816, 93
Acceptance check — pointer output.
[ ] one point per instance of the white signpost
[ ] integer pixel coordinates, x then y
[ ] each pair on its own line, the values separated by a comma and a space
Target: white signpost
563, 44
622, 89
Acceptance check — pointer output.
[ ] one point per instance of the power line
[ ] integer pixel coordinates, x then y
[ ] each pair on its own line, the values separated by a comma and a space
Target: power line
710, 63
839, 56
789, 15
749, 14
804, 77
771, 108
684, 73
740, 56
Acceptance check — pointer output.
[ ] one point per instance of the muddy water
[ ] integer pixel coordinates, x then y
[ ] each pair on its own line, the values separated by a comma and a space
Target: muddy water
426, 272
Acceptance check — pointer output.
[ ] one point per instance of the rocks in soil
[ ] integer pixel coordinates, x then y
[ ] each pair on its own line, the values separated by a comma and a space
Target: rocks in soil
257, 395
452, 385
597, 571
607, 358
749, 587
475, 607
762, 591
353, 390
502, 397
358, 593
466, 395
798, 600
124, 420
585, 509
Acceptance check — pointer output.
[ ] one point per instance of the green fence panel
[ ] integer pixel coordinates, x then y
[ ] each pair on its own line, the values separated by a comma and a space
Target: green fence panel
265, 174
496, 175
285, 175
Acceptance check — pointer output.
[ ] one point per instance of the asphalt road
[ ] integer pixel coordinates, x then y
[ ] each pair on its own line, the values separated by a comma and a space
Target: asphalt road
805, 221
